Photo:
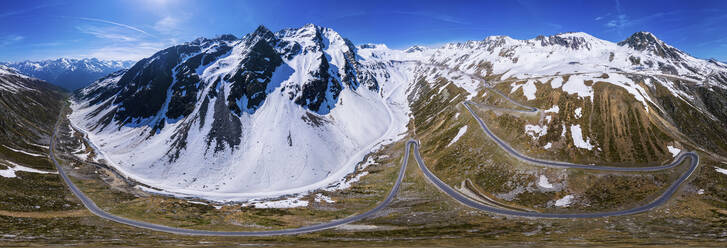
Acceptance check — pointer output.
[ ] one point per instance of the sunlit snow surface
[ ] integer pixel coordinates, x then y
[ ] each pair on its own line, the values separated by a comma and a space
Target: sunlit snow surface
720, 170
543, 182
564, 202
578, 140
13, 167
547, 146
536, 131
24, 152
673, 150
577, 113
460, 132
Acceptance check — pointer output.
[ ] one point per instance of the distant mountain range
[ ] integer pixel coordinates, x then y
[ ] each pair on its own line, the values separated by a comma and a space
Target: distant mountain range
70, 74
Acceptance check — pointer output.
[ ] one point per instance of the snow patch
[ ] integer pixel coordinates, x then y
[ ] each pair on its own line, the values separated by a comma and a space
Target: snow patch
576, 85
577, 135
529, 90
578, 113
557, 82
673, 150
293, 202
543, 182
564, 202
10, 171
720, 170
24, 152
323, 198
554, 109
536, 131
547, 146
461, 132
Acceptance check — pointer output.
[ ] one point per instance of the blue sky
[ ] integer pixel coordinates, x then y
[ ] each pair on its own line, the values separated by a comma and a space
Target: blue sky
134, 29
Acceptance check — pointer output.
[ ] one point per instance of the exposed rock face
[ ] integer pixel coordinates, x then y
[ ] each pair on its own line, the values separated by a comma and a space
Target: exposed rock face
572, 42
226, 127
645, 41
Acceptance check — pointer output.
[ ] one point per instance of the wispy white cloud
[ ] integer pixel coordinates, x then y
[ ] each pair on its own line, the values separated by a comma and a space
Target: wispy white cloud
10, 39
106, 33
620, 21
116, 24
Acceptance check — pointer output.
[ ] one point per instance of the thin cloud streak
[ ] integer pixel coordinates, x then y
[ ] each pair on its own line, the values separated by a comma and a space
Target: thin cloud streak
105, 34
117, 24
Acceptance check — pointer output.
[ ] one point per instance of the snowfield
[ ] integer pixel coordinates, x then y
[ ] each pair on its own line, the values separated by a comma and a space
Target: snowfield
284, 149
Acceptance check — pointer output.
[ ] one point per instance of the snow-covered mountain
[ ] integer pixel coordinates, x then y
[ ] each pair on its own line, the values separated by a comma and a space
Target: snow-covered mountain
679, 94
70, 74
285, 112
240, 118
694, 80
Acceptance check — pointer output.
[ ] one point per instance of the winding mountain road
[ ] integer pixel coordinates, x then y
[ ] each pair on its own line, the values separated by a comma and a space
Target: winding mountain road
663, 198
456, 195
91, 206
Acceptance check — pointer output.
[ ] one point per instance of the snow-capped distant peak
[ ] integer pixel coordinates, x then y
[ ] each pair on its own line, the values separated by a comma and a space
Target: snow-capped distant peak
373, 46
69, 73
498, 37
415, 48
645, 41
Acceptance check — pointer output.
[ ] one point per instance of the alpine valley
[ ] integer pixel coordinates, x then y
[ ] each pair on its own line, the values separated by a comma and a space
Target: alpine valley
284, 113
301, 136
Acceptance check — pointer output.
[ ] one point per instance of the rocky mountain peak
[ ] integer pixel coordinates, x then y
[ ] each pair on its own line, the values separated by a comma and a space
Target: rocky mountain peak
645, 41
415, 48
574, 40
262, 32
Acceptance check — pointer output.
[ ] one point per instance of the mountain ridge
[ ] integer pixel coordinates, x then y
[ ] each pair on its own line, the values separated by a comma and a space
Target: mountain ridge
70, 74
